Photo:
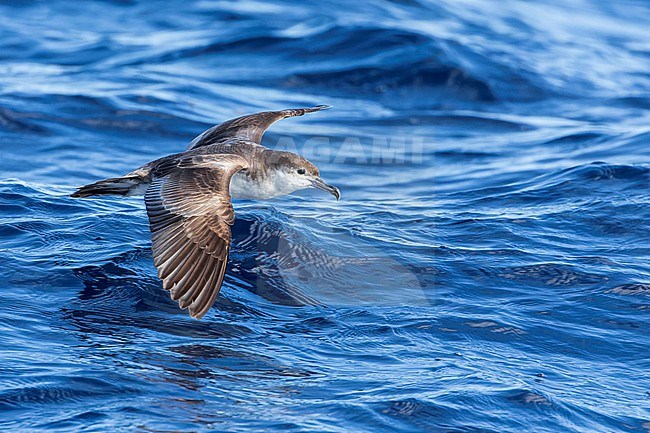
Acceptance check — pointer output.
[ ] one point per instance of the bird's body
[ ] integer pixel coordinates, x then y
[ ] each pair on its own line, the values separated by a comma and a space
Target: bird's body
257, 181
188, 199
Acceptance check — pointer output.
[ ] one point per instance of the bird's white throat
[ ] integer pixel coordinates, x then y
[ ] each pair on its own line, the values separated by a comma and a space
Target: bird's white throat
277, 183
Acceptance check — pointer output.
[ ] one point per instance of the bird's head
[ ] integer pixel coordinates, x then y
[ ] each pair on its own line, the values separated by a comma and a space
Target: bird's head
292, 172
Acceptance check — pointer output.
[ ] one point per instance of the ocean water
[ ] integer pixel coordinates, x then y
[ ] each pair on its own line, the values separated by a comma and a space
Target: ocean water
487, 269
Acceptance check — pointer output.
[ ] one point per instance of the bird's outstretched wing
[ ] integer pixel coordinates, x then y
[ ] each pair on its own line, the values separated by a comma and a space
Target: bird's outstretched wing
250, 127
190, 214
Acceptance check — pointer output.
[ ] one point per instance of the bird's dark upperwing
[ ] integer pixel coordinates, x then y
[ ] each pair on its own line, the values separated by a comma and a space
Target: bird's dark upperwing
190, 215
251, 127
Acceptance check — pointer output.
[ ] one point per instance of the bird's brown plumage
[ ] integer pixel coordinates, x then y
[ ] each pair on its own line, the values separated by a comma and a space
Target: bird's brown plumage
250, 127
189, 204
190, 215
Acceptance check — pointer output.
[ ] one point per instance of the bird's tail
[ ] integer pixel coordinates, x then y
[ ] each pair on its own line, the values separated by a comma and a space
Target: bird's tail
126, 185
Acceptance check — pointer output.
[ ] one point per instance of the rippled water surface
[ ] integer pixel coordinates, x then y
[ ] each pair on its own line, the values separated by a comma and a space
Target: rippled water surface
486, 270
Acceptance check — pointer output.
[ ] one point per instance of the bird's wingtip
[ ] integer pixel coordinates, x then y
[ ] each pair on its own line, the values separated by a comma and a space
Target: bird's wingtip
319, 108
292, 112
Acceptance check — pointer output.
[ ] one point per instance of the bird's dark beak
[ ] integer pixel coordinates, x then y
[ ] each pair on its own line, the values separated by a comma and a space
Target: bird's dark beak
317, 182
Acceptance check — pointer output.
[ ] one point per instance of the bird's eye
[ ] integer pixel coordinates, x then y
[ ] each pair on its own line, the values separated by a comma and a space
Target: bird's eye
301, 171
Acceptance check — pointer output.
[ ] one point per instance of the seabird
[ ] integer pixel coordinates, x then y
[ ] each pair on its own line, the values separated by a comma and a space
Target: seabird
188, 199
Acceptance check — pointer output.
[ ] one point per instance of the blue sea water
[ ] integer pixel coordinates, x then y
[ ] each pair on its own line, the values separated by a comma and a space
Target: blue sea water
487, 269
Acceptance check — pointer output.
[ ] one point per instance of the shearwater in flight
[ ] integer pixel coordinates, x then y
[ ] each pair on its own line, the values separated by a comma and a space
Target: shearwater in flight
188, 199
